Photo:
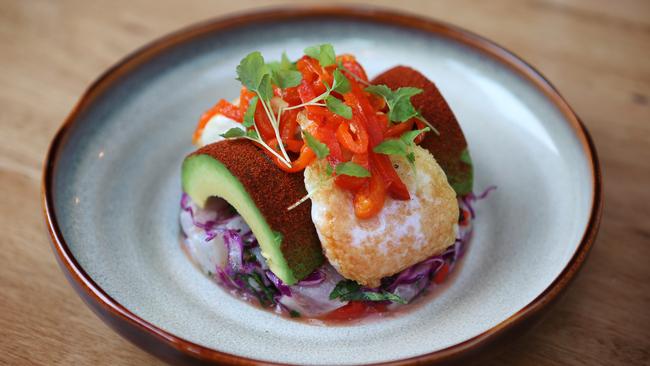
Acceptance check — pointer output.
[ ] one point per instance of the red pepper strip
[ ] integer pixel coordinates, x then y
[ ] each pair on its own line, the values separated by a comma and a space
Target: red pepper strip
323, 76
354, 183
350, 63
441, 275
293, 145
398, 129
262, 122
358, 146
352, 310
328, 137
291, 96
420, 126
369, 200
382, 119
377, 102
396, 187
465, 217
364, 114
305, 158
245, 97
223, 107
289, 124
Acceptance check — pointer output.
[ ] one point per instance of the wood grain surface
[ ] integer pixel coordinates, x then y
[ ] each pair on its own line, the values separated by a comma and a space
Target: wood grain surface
597, 53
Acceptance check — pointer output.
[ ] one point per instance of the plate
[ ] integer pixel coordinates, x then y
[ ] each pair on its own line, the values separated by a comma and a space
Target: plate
112, 188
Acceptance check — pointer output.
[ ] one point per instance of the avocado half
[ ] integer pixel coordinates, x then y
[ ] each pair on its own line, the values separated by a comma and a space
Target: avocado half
248, 180
450, 147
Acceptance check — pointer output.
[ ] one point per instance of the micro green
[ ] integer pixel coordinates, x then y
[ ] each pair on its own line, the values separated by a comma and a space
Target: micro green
403, 146
351, 169
348, 290
324, 53
320, 149
400, 107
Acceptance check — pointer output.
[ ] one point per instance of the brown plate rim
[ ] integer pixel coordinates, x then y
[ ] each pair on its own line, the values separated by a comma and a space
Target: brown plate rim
83, 282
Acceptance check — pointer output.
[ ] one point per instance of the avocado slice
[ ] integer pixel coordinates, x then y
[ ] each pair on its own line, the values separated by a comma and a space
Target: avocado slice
450, 147
248, 180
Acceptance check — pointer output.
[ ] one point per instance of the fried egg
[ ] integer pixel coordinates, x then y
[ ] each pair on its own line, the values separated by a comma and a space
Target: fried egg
402, 234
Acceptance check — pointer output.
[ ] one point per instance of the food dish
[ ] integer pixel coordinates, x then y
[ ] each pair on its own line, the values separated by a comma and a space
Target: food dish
316, 193
110, 194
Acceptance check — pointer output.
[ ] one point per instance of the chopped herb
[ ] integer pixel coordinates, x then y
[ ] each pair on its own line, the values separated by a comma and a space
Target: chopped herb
348, 290
344, 288
323, 53
234, 133
351, 169
294, 314
320, 149
336, 106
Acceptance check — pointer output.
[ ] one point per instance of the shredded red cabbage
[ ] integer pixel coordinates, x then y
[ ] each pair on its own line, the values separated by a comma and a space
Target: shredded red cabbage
244, 270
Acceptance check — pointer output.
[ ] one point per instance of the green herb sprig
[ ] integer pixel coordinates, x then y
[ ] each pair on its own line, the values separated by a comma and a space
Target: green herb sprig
403, 146
348, 290
400, 107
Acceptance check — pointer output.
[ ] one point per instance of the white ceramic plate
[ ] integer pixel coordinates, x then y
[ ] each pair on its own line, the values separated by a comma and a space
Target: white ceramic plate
112, 190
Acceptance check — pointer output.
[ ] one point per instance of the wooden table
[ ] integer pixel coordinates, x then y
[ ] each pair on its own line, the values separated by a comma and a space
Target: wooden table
597, 53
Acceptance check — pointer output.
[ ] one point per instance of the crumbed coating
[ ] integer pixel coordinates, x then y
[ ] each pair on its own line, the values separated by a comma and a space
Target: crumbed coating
402, 234
272, 191
448, 146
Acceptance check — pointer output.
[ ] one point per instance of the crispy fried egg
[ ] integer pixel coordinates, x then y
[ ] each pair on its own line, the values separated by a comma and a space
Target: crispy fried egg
402, 234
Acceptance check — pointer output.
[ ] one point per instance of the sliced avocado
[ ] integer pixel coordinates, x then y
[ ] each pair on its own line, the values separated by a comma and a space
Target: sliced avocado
243, 176
449, 147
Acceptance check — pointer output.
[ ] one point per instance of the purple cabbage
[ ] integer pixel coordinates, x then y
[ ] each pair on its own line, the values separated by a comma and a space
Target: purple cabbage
247, 274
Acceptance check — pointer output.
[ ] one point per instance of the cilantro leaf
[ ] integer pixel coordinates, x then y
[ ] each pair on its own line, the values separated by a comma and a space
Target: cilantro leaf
249, 116
348, 290
400, 108
408, 136
336, 106
391, 147
320, 149
341, 83
251, 70
234, 133
344, 288
324, 53
351, 169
